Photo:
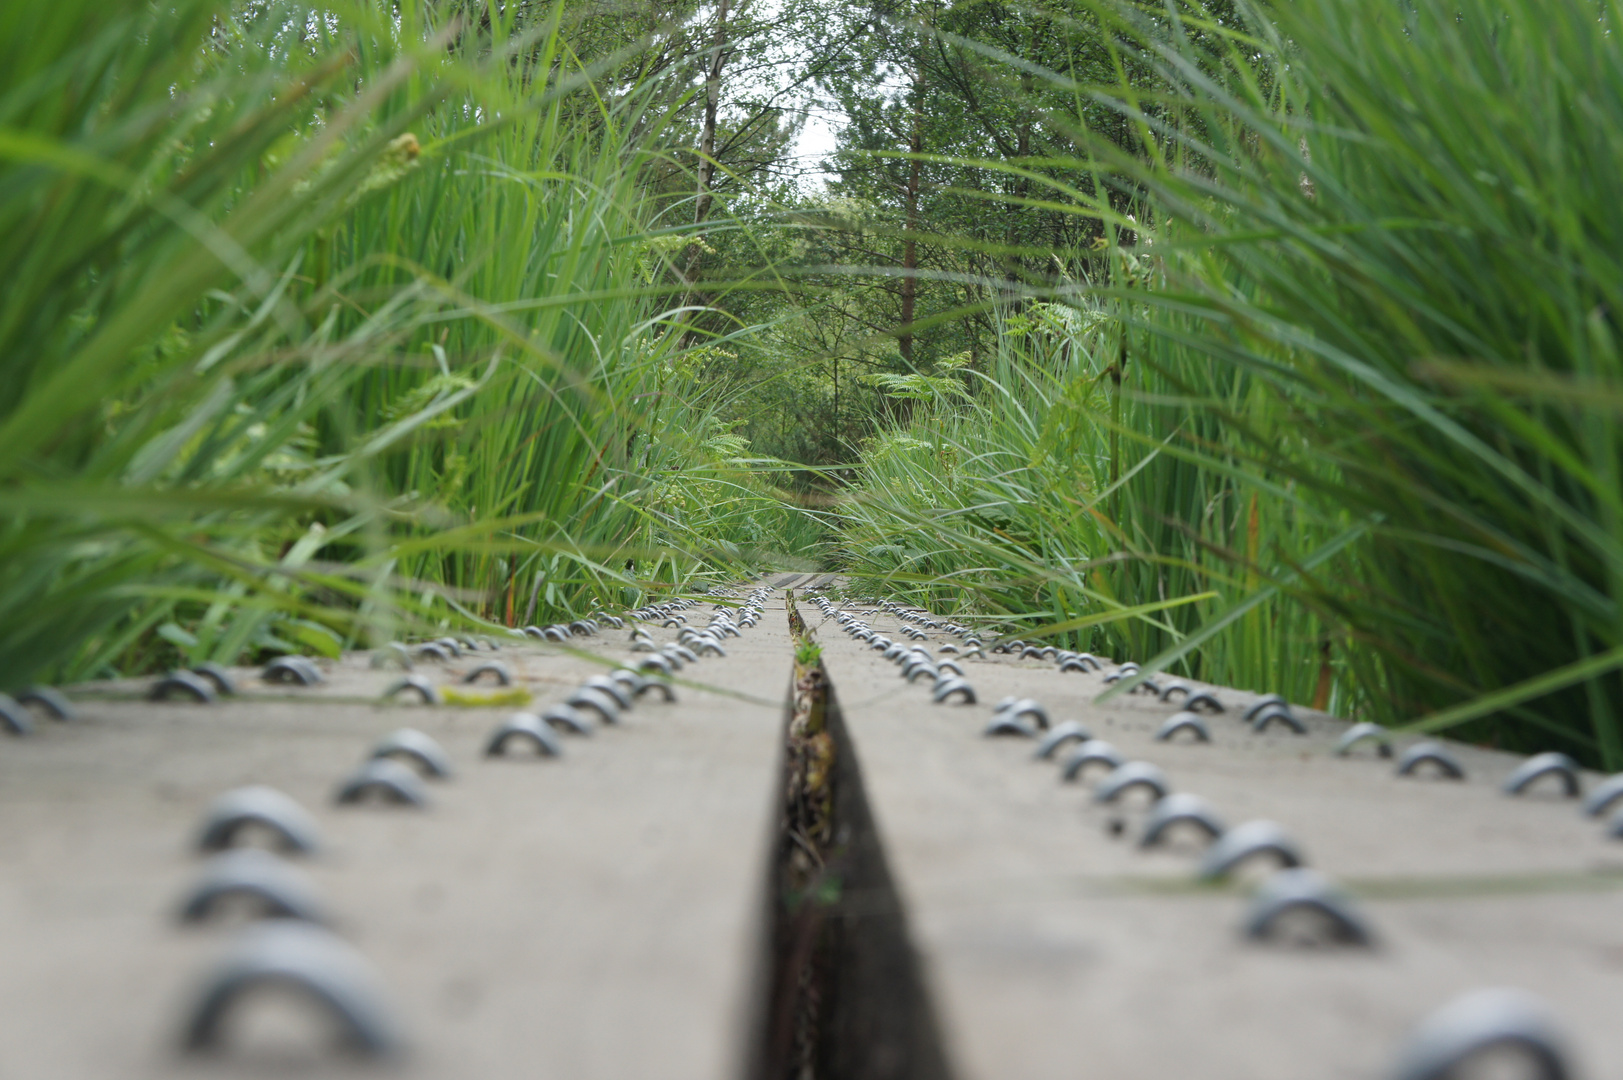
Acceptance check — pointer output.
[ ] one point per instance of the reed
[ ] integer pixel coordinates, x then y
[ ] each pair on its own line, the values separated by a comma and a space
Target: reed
327, 324
1372, 374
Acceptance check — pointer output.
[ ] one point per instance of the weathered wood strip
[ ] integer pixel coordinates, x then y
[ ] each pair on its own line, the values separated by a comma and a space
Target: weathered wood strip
595, 916
1055, 947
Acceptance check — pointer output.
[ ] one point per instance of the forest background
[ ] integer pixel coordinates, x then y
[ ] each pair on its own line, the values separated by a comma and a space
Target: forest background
1272, 344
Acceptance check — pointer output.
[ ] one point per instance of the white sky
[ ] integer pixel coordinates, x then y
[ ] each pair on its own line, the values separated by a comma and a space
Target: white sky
812, 148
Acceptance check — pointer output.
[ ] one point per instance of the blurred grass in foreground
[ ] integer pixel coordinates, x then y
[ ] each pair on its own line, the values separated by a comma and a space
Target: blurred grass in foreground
1368, 305
323, 324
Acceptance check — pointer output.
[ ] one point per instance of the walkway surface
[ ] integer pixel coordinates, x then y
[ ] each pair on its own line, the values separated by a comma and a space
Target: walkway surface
591, 916
599, 915
1056, 947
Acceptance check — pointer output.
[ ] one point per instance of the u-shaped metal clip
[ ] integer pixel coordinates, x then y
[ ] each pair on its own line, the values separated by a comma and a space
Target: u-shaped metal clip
417, 685
14, 718
1006, 724
1184, 721
657, 662
319, 964
1262, 703
525, 726
1275, 712
1479, 1021
1423, 753
1180, 808
1603, 795
1300, 889
293, 827
504, 677
612, 687
1203, 699
597, 701
56, 704
636, 685
945, 690
281, 891
184, 683
295, 670
1541, 765
1024, 707
386, 778
219, 677
911, 672
1175, 686
414, 746
1366, 730
1245, 842
566, 718
1129, 775
1092, 752
1061, 734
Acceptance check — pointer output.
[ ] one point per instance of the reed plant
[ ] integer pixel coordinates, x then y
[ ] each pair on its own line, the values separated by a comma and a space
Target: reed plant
324, 324
1013, 498
1374, 358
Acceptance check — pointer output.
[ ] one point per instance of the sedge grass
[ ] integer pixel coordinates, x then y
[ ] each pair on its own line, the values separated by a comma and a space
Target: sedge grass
324, 325
1374, 373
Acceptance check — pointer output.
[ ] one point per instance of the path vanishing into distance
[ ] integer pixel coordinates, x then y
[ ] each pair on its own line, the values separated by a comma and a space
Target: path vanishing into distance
1149, 888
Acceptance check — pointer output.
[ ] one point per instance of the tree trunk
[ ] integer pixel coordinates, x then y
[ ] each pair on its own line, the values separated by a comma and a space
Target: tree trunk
707, 166
1014, 215
910, 249
712, 101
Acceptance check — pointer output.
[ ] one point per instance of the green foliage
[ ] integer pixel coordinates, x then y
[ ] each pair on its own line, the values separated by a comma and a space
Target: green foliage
1365, 343
321, 324
1402, 229
1276, 344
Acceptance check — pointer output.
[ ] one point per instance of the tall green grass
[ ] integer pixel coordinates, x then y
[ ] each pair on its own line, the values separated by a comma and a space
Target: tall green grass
1008, 498
329, 323
1381, 308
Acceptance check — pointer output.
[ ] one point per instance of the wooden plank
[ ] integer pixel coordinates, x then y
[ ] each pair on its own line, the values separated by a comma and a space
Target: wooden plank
595, 916
1054, 947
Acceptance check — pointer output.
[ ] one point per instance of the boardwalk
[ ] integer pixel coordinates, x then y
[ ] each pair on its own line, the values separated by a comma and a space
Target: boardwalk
607, 913
1056, 946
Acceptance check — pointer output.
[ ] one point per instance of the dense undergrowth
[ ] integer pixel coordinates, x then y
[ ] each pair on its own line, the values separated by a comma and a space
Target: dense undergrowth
1365, 326
329, 323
